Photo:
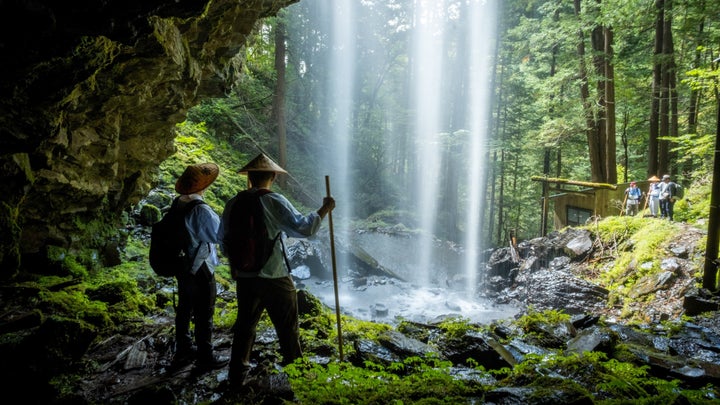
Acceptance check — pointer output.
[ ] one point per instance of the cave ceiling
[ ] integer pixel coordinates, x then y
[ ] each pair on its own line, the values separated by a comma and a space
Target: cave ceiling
91, 92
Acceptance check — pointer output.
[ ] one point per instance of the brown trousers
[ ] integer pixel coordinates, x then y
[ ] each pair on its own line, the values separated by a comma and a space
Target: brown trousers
279, 297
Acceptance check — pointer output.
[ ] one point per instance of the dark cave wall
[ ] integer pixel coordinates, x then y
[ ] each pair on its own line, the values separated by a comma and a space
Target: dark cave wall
90, 95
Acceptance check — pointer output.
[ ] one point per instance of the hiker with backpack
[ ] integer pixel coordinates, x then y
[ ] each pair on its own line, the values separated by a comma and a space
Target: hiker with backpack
263, 280
632, 196
197, 290
668, 195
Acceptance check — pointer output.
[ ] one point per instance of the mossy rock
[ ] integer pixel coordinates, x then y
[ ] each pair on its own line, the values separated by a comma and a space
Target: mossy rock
149, 214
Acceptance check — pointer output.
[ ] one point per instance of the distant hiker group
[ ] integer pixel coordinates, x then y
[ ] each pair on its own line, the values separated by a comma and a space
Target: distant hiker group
660, 197
251, 234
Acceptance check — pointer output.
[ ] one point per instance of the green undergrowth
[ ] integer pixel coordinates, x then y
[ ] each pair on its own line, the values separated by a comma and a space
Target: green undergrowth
591, 377
629, 256
637, 245
414, 380
195, 144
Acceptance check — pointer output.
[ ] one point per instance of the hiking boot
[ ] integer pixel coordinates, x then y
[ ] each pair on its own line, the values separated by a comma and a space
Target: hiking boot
212, 361
184, 356
238, 378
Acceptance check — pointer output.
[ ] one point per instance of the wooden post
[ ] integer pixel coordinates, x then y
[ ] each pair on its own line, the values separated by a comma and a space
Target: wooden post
334, 267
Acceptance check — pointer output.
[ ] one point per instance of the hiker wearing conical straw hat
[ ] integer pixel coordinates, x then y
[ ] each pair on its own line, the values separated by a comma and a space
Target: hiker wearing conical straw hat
197, 291
653, 196
271, 287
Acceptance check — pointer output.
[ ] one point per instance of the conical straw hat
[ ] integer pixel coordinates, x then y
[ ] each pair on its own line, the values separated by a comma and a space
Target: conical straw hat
262, 163
654, 178
196, 177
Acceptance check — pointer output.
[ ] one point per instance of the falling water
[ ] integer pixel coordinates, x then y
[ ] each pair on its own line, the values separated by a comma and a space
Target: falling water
427, 45
342, 61
449, 67
480, 68
470, 47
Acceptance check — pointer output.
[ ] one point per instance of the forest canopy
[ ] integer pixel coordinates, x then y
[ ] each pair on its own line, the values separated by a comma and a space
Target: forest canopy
601, 91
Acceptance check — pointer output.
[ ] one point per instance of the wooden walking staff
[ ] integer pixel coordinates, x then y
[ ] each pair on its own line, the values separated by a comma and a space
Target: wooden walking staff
647, 198
334, 267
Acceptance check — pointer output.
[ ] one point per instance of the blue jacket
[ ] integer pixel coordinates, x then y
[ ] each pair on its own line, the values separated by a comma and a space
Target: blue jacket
202, 224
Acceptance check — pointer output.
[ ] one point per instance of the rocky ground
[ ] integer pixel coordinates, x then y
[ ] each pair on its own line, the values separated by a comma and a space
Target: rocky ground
136, 366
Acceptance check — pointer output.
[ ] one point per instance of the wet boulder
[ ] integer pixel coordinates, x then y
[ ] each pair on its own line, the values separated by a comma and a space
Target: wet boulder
652, 283
403, 345
572, 242
594, 339
519, 348
501, 262
472, 345
579, 247
698, 301
548, 395
557, 289
691, 354
369, 350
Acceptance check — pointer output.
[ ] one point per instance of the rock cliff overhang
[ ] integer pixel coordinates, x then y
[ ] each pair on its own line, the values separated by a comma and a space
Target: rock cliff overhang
90, 95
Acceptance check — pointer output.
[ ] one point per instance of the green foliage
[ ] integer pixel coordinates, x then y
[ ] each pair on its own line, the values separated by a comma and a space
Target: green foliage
195, 144
74, 304
696, 204
457, 327
639, 240
421, 381
533, 317
610, 380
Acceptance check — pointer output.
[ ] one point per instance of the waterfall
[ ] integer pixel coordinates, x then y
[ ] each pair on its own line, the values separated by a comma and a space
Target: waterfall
424, 70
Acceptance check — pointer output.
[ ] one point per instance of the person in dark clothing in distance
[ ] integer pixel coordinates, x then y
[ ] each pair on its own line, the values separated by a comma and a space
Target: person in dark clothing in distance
667, 197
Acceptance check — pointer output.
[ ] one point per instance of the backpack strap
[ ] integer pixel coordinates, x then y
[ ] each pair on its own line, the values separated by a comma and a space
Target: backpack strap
261, 192
185, 211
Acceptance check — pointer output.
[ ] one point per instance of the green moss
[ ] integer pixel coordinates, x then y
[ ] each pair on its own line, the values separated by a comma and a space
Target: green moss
532, 318
634, 244
457, 327
74, 304
150, 214
415, 380
648, 237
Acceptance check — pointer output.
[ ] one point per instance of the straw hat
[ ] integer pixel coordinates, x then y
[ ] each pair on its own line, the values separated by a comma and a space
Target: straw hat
654, 178
262, 163
197, 177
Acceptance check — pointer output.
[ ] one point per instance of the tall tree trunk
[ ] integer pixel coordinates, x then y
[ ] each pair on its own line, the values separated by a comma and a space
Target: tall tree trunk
673, 129
491, 201
610, 142
667, 80
624, 141
597, 39
694, 98
654, 130
558, 163
500, 197
497, 133
279, 96
545, 191
596, 172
